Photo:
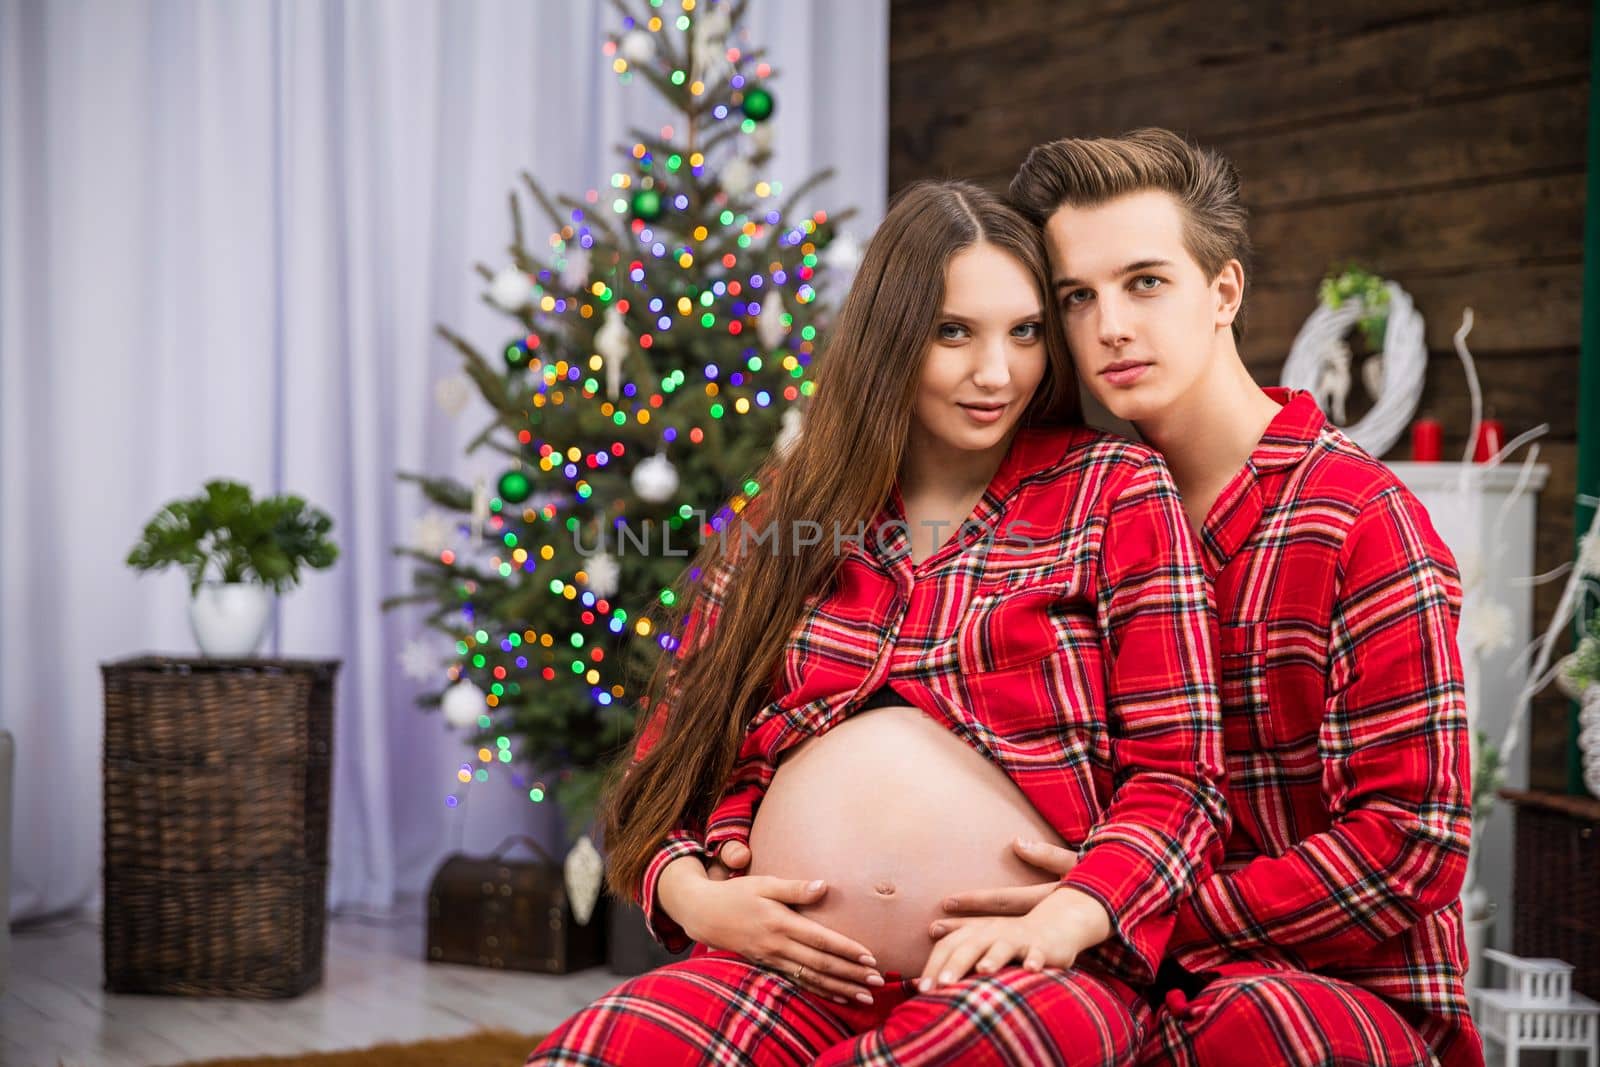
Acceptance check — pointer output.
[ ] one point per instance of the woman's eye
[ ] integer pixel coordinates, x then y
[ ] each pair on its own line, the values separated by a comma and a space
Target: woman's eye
1028, 331
952, 331
1140, 283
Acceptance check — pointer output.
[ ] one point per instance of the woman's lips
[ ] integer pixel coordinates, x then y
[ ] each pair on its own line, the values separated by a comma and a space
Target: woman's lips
984, 413
1125, 373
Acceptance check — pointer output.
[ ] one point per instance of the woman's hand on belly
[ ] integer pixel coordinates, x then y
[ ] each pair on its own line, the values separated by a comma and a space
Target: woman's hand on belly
1052, 934
755, 917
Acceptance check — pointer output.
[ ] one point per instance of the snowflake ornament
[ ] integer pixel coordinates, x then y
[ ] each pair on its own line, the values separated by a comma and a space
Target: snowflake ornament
432, 532
420, 660
603, 574
1486, 625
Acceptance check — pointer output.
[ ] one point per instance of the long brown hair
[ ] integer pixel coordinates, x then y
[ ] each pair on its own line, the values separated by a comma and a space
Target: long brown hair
1086, 171
838, 474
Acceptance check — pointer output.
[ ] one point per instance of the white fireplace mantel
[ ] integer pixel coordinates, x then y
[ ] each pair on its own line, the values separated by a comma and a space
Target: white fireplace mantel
1494, 545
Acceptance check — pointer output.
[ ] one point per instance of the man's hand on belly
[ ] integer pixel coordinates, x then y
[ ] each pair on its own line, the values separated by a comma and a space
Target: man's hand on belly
1052, 934
1010, 900
732, 856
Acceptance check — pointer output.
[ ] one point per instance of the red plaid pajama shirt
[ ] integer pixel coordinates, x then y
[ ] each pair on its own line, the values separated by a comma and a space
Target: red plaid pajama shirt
1346, 735
1065, 633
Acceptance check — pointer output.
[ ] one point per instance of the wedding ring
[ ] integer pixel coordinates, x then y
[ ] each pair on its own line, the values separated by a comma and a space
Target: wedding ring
798, 971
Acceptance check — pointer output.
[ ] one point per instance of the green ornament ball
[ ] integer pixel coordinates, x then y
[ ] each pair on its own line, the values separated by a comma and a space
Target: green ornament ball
758, 105
516, 355
646, 205
515, 487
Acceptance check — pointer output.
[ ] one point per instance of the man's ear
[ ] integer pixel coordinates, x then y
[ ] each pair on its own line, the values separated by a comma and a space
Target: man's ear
1229, 286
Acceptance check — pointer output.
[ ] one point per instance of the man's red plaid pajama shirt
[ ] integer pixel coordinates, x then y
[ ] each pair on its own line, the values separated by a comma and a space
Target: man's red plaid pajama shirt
1334, 914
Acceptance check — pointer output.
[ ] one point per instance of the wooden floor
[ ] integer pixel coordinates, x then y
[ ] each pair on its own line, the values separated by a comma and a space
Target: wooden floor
375, 988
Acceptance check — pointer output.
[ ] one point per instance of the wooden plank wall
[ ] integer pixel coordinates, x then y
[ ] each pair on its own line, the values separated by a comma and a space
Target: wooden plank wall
1438, 142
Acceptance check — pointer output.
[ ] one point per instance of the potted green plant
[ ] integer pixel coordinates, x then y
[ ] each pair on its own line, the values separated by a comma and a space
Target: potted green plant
238, 554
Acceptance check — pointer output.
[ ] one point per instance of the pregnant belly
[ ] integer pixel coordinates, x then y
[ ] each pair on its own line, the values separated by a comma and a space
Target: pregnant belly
895, 813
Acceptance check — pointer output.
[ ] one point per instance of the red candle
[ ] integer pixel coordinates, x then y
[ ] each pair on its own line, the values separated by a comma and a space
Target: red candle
1491, 439
1427, 441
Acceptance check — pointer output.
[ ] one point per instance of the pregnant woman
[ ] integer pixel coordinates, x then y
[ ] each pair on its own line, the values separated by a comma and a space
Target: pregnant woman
954, 616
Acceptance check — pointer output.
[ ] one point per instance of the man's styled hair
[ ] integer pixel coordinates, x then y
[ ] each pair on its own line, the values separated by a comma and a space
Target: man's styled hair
1086, 171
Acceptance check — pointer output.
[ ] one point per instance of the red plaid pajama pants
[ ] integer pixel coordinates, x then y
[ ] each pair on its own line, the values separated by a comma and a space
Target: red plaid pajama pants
719, 1008
1258, 1015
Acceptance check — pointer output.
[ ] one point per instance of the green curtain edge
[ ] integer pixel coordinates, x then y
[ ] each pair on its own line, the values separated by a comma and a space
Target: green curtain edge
1588, 360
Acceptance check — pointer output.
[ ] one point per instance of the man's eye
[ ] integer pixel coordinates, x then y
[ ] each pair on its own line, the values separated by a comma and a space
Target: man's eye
1028, 331
1078, 296
951, 331
1154, 282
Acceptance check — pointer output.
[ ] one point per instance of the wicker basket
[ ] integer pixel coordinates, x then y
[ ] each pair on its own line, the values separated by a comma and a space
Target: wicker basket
1556, 892
217, 781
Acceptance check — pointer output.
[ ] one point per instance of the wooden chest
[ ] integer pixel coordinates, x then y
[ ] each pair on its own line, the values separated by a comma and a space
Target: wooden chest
1556, 892
514, 914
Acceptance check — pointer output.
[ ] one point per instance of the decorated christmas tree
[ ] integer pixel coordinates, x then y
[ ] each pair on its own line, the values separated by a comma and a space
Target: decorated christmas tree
659, 344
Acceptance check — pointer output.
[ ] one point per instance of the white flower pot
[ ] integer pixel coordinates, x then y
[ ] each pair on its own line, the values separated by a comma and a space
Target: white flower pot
1477, 911
230, 618
1476, 934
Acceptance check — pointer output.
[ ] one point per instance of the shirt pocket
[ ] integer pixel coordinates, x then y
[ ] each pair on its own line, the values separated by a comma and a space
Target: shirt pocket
1270, 700
1246, 711
1027, 654
1012, 618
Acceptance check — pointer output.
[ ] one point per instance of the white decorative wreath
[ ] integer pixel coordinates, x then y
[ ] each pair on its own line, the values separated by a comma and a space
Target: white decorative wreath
1319, 361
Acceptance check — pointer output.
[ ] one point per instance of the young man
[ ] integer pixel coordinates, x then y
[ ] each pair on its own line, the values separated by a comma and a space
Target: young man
1332, 932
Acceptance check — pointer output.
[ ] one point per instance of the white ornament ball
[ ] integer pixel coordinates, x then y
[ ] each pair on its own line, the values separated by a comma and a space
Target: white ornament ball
463, 703
656, 479
638, 46
737, 176
452, 394
511, 289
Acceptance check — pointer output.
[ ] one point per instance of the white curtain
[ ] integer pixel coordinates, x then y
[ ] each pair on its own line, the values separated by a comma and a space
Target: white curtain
226, 233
